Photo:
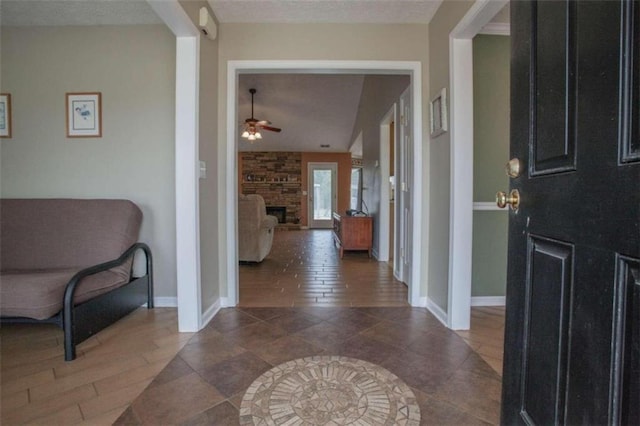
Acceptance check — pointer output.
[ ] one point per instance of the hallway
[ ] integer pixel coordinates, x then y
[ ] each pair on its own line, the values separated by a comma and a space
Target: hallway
305, 269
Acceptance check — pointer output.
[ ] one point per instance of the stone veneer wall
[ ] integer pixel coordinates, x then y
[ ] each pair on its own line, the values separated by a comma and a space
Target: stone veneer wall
277, 176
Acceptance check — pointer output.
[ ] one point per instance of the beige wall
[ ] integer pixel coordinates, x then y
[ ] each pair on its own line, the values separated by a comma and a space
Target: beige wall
208, 128
311, 42
379, 93
134, 68
447, 17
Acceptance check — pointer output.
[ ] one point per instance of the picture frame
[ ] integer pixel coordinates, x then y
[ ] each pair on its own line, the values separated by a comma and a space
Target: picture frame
5, 115
438, 110
84, 115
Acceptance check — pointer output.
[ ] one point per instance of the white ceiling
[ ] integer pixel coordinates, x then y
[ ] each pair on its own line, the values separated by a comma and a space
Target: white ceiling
311, 110
131, 12
76, 12
325, 11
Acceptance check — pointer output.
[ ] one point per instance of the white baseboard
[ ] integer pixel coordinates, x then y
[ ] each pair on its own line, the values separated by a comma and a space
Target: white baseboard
224, 303
488, 301
437, 311
210, 313
165, 302
374, 253
422, 302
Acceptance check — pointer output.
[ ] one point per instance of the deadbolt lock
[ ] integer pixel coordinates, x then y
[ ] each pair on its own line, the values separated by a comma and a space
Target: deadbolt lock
512, 199
513, 168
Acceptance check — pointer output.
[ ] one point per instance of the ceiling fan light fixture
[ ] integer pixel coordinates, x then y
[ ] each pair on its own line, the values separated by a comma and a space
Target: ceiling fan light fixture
252, 125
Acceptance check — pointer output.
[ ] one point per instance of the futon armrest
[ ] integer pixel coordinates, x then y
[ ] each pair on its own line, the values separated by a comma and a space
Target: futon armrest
71, 286
69, 292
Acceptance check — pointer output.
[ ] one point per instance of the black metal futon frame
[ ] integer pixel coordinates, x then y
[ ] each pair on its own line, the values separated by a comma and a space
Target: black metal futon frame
83, 320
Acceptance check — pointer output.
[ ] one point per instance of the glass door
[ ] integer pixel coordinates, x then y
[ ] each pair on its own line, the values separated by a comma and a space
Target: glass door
322, 194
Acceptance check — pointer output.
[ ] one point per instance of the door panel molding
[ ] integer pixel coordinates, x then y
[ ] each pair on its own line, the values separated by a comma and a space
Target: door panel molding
549, 288
630, 80
625, 365
553, 148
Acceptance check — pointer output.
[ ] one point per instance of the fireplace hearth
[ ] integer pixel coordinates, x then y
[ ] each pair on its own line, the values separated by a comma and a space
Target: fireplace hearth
278, 211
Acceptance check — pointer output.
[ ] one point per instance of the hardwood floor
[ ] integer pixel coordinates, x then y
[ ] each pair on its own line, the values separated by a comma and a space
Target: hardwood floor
111, 370
115, 366
304, 269
486, 335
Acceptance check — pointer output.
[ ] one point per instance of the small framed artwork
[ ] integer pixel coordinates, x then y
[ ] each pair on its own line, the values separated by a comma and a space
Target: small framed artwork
84, 115
438, 109
5, 115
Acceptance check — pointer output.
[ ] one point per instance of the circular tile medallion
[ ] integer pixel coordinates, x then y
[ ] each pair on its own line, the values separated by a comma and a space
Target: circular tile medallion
329, 390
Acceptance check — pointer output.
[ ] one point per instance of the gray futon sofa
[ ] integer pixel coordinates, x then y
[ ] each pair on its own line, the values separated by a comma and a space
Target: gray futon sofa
69, 262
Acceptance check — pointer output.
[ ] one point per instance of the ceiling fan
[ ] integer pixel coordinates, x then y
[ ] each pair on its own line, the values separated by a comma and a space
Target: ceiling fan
252, 125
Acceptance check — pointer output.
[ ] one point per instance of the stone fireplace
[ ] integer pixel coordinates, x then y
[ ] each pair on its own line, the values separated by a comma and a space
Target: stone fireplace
278, 211
277, 177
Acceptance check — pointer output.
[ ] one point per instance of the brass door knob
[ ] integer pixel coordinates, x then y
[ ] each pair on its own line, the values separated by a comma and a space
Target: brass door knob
513, 168
512, 199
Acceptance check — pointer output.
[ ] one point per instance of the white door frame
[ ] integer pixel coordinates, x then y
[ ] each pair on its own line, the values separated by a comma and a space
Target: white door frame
333, 166
186, 160
461, 183
229, 257
385, 190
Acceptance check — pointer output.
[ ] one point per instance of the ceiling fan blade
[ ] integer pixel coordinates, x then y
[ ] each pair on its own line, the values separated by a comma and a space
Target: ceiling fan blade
252, 123
272, 129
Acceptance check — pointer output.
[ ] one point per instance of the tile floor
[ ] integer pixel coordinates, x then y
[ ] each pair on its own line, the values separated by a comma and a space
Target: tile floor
205, 382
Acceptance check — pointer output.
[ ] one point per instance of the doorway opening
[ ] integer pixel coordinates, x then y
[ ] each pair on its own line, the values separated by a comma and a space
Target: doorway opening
387, 156
236, 68
462, 139
480, 102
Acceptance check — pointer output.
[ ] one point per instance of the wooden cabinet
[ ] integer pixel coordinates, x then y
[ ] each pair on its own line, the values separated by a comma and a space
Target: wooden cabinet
353, 232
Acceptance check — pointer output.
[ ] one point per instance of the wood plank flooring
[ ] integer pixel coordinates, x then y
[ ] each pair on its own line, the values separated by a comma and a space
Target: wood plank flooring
486, 335
304, 269
111, 370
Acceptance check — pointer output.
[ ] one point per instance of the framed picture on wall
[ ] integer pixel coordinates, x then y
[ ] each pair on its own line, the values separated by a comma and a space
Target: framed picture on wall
84, 115
5, 115
438, 108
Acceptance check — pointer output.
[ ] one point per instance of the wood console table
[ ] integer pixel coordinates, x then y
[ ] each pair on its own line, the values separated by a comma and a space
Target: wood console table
353, 232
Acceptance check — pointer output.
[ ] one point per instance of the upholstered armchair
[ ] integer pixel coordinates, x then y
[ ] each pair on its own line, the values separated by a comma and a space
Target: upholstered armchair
255, 228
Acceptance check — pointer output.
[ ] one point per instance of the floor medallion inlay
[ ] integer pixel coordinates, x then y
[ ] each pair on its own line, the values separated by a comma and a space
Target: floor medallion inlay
329, 390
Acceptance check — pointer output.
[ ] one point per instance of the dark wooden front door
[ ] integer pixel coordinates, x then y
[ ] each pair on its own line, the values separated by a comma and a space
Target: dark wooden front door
572, 340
